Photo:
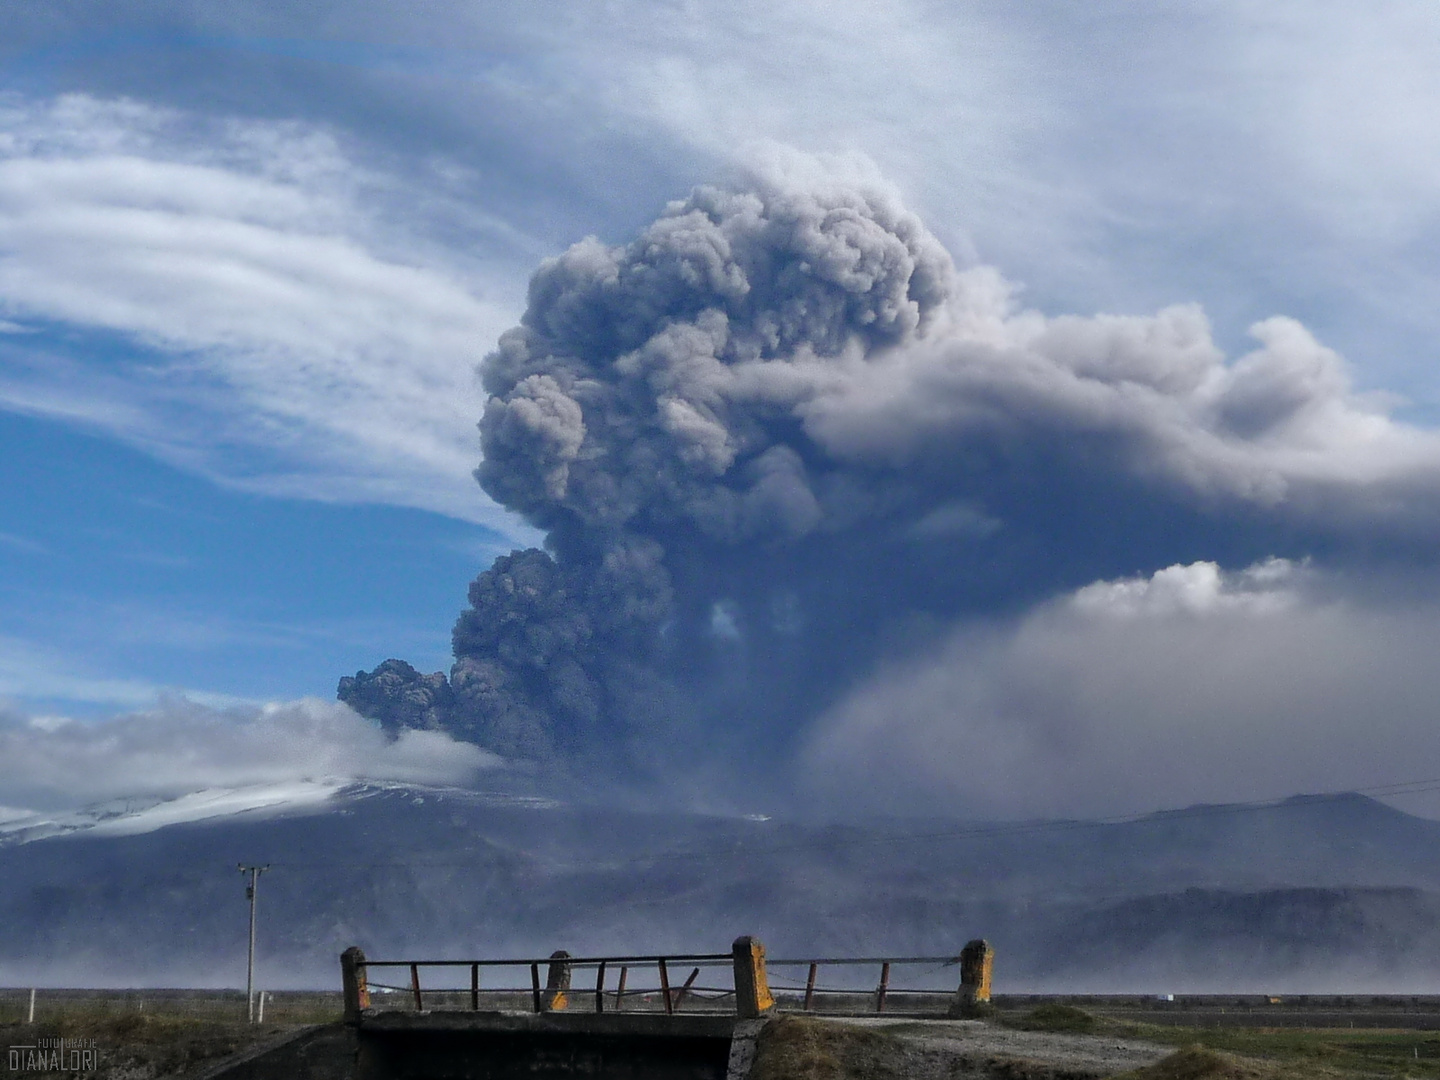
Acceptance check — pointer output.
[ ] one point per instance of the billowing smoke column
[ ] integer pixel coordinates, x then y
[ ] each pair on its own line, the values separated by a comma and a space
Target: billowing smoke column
779, 439
647, 415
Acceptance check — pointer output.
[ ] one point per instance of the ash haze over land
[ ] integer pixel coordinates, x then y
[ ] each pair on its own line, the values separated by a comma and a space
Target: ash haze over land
1322, 895
818, 504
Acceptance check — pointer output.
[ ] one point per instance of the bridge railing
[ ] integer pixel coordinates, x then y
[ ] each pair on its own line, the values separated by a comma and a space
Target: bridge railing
737, 981
556, 982
850, 985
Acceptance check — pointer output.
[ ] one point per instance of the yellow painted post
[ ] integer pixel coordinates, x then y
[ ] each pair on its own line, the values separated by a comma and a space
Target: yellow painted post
355, 983
752, 988
557, 982
977, 962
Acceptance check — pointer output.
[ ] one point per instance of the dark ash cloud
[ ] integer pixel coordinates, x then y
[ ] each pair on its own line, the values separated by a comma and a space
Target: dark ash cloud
779, 439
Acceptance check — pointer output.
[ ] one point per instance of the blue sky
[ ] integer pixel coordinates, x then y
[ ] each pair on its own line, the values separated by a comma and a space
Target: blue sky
251, 254
124, 574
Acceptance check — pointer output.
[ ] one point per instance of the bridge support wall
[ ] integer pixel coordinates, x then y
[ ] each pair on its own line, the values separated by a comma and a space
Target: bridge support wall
550, 1046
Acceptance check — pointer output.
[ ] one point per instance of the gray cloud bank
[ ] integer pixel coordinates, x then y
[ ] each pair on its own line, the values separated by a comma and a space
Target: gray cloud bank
55, 763
1189, 685
779, 442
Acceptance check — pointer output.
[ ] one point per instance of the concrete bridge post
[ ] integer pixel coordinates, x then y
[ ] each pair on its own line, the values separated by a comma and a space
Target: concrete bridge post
557, 982
752, 987
355, 983
977, 961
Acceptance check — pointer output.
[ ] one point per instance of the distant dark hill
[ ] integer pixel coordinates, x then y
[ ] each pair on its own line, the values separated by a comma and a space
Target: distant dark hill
1333, 938
1321, 893
1335, 840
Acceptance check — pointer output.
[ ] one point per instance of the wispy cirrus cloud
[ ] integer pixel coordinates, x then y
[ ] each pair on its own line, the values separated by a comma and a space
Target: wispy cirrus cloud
32, 671
22, 543
257, 318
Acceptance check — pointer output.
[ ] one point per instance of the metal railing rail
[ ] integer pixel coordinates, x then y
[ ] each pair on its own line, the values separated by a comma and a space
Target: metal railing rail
711, 959
883, 989
543, 996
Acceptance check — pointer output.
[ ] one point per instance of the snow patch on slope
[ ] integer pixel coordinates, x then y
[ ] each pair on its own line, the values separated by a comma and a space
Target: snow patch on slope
289, 798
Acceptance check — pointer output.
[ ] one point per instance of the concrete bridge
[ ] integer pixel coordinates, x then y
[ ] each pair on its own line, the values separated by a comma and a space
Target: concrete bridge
577, 1022
649, 1017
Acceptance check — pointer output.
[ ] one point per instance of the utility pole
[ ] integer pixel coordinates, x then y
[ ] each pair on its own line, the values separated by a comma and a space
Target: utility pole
254, 872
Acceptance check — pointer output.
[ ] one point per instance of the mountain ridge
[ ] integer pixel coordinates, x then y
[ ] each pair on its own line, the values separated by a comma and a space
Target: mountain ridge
1304, 887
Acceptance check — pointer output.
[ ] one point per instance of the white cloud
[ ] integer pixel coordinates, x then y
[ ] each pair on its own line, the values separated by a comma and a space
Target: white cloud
179, 747
286, 334
1192, 685
1199, 589
946, 101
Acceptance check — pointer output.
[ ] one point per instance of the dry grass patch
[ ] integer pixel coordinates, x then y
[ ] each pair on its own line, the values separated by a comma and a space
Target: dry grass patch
798, 1048
137, 1046
1309, 1052
1066, 1019
1202, 1063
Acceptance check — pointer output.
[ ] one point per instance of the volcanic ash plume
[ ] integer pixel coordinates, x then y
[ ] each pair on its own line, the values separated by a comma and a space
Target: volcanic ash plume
779, 439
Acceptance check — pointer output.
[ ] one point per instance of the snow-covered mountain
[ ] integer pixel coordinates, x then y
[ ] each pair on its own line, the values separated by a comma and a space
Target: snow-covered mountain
127, 817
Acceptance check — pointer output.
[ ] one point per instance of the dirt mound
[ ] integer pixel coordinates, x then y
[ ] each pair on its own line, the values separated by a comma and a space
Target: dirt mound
797, 1048
1198, 1063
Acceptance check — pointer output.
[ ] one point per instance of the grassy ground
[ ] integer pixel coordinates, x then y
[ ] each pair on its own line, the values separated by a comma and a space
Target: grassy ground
1061, 1018
134, 1046
1198, 1063
147, 1036
153, 1037
1315, 1051
1256, 1052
